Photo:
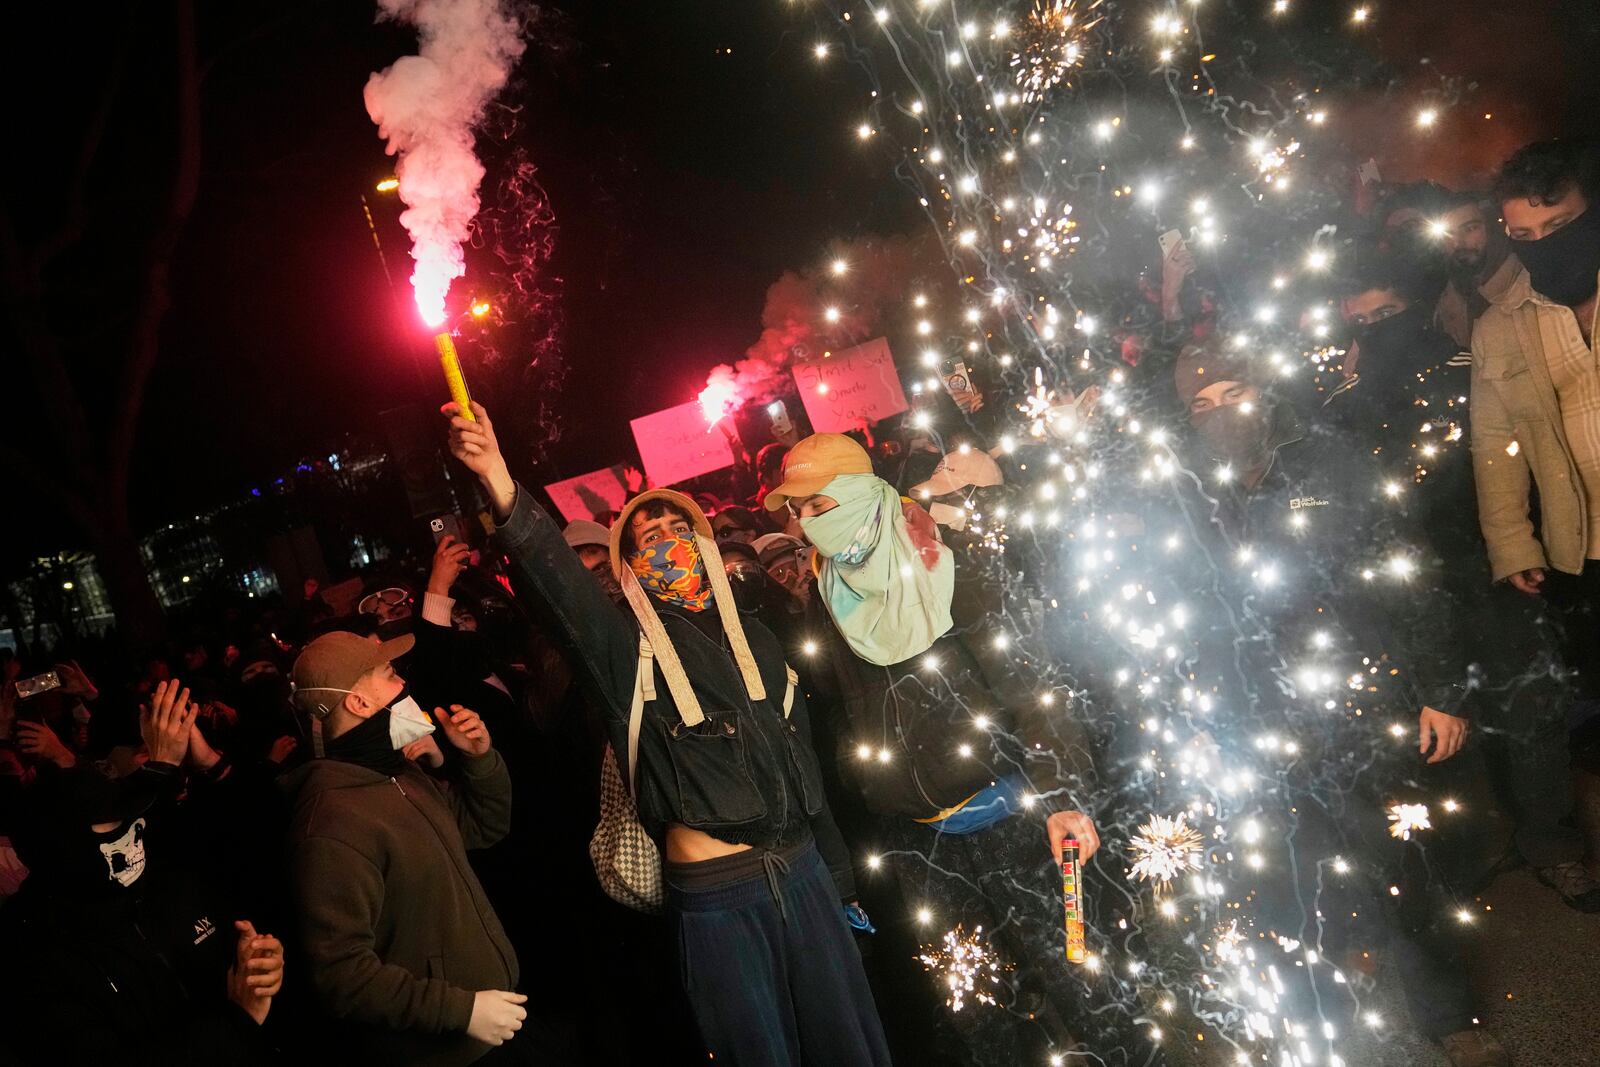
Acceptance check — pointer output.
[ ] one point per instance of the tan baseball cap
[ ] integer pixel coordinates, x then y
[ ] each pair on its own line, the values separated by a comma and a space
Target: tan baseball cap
331, 665
815, 462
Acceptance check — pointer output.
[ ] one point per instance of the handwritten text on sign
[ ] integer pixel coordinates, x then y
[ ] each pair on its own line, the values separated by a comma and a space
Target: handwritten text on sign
675, 446
590, 494
857, 385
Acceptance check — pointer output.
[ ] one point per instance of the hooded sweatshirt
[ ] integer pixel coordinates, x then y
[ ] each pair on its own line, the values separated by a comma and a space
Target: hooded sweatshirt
397, 933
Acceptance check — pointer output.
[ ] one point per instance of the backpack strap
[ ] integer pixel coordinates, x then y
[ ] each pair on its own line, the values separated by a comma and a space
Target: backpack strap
644, 688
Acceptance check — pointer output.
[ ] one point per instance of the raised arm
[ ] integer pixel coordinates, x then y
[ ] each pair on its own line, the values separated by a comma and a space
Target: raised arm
545, 570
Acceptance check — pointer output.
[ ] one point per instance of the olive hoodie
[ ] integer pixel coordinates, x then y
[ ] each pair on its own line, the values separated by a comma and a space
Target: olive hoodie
396, 931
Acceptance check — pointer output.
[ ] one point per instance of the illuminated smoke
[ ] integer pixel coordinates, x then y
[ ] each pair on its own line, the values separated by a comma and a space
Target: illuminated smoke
844, 301
427, 107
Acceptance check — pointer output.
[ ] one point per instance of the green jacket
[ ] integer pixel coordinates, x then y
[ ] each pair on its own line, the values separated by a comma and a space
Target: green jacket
397, 933
1519, 441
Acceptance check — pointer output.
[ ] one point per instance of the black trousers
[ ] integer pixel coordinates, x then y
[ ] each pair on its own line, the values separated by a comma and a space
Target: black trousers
771, 968
1004, 880
1521, 706
1576, 599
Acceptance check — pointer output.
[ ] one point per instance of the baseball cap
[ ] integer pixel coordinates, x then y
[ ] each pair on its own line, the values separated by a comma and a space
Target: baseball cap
816, 461
582, 532
770, 547
328, 667
957, 470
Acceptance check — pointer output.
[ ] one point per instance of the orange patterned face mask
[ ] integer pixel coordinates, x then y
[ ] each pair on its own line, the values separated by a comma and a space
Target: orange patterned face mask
671, 570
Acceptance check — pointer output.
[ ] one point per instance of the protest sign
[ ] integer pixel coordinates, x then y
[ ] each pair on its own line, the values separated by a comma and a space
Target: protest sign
675, 446
856, 385
590, 494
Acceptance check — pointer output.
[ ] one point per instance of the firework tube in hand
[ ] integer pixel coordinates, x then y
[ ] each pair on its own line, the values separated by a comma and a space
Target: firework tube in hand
1072, 900
451, 363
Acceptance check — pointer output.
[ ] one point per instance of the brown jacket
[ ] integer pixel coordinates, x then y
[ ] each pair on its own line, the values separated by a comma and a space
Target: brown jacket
1519, 441
397, 933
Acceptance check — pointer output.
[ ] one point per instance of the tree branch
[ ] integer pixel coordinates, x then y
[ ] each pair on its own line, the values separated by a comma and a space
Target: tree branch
64, 414
155, 291
77, 202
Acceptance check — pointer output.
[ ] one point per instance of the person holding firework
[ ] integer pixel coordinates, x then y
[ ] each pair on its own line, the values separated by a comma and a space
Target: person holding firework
712, 732
943, 728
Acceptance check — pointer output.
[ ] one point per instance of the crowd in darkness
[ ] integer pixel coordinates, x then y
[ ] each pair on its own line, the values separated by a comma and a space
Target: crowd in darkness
606, 792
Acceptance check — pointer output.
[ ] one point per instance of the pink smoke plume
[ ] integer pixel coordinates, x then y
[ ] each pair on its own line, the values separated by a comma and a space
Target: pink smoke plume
879, 276
426, 107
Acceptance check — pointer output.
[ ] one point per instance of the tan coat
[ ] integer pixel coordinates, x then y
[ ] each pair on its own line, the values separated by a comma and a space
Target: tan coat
1519, 440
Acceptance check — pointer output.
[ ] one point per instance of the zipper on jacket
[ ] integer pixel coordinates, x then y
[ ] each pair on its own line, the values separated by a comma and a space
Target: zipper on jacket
466, 876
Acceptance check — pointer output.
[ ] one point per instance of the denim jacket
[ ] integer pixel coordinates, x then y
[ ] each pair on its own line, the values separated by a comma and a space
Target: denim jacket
745, 774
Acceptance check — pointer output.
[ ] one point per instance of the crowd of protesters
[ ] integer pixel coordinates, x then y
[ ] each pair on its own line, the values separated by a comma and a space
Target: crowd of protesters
605, 792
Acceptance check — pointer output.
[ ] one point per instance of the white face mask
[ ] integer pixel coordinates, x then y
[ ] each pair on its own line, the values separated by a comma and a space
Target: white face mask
407, 722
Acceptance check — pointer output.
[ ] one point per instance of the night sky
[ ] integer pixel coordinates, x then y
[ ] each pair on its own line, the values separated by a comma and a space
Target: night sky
692, 151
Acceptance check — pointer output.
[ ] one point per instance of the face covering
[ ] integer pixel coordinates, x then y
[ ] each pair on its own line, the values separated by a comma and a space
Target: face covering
671, 570
1235, 436
888, 605
123, 851
1392, 346
376, 741
1564, 265
53, 836
749, 590
407, 722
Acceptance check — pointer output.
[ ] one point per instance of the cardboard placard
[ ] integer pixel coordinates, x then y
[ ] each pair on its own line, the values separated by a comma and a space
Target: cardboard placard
675, 445
857, 385
590, 494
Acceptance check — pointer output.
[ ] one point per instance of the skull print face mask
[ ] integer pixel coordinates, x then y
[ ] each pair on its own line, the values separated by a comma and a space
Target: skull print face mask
123, 849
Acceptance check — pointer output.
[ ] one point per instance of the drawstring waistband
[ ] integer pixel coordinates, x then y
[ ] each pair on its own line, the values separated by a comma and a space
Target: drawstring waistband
775, 865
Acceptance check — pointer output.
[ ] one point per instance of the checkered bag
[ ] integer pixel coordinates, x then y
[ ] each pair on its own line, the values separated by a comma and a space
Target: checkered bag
626, 860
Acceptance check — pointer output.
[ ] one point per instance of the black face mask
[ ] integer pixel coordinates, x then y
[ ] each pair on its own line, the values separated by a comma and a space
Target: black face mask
1236, 437
367, 744
55, 839
1563, 266
749, 590
1390, 347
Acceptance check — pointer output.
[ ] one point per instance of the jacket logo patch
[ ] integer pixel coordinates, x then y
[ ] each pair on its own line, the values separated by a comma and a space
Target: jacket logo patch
1307, 502
203, 928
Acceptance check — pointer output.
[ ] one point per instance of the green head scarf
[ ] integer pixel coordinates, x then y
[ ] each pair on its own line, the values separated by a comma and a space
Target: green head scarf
885, 601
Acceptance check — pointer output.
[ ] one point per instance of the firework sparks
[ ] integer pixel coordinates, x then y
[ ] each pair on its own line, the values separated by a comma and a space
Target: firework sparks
1229, 947
1052, 45
1406, 818
1166, 847
966, 967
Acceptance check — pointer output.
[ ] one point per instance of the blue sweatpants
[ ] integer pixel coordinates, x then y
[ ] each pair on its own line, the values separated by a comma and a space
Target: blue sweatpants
772, 971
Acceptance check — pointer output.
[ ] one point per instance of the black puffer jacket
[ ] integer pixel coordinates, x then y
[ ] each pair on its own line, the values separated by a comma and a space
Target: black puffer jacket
746, 774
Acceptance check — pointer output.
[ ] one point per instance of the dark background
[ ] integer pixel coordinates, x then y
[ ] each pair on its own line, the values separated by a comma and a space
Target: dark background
691, 151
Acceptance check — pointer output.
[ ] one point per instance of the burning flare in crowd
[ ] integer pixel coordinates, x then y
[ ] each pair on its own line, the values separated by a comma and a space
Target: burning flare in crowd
426, 107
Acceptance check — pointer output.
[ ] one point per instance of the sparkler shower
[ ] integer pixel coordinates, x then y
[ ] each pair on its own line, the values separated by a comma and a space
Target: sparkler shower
1258, 738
